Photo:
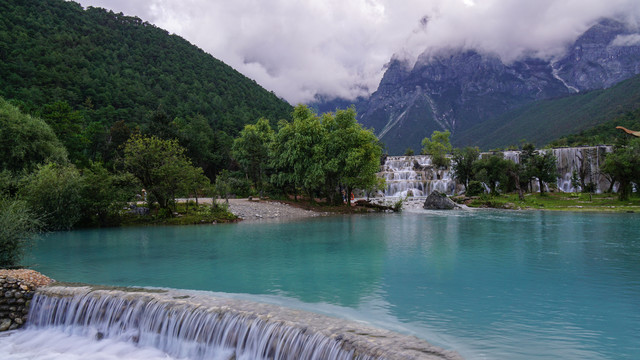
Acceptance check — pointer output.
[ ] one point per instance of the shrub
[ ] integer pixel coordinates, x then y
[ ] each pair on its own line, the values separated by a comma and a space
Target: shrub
18, 226
475, 188
54, 192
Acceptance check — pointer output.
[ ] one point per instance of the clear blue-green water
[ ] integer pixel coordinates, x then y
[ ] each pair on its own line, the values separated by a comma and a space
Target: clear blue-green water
490, 285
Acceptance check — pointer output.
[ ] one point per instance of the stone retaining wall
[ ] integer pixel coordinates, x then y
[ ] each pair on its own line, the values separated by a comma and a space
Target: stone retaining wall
16, 290
14, 303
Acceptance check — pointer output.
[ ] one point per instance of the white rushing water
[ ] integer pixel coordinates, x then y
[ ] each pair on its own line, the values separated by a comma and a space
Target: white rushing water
56, 344
415, 176
86, 323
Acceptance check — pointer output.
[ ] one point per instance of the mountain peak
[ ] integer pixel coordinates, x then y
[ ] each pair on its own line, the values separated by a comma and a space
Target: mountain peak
456, 89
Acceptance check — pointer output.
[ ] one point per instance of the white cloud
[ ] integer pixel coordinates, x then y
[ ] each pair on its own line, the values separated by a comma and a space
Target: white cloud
339, 47
626, 40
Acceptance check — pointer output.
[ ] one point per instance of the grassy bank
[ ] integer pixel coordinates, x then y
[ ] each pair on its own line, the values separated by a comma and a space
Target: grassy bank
557, 202
184, 214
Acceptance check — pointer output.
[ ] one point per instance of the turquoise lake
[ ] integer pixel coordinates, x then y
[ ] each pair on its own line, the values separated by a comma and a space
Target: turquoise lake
488, 284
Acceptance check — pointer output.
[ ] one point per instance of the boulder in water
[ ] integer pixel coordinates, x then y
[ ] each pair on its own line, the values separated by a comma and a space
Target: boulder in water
439, 201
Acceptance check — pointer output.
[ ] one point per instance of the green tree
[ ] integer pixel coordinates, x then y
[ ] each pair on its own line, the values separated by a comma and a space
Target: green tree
320, 155
161, 166
350, 154
463, 164
492, 170
222, 186
543, 166
294, 149
26, 141
68, 125
54, 192
251, 151
527, 157
202, 143
623, 165
104, 194
438, 147
18, 225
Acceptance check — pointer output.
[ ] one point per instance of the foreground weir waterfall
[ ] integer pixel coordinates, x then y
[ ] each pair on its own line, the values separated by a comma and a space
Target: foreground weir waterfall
189, 326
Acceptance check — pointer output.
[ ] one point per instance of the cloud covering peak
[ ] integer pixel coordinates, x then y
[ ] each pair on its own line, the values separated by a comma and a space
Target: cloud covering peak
338, 48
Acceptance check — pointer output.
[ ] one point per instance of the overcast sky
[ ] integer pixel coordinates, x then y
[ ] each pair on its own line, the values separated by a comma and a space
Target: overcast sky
300, 48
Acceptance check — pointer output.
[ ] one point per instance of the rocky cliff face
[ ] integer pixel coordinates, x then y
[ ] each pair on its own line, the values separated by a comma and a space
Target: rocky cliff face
602, 57
456, 89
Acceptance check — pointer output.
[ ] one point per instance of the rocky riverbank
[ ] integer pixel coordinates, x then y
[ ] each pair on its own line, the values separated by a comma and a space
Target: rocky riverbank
16, 290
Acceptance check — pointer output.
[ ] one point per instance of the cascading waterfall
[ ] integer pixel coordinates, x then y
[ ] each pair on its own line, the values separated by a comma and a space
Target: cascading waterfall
415, 175
191, 326
585, 161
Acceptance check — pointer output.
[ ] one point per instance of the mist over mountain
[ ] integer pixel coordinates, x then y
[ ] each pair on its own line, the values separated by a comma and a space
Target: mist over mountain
456, 89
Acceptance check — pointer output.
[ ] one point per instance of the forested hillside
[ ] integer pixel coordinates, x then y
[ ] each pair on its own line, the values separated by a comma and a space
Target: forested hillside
547, 120
605, 133
91, 70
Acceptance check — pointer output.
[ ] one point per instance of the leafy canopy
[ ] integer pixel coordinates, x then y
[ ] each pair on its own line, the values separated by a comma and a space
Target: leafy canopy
623, 165
26, 141
438, 146
162, 167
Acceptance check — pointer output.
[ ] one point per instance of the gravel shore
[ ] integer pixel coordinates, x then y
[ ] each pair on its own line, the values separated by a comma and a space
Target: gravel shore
31, 276
262, 210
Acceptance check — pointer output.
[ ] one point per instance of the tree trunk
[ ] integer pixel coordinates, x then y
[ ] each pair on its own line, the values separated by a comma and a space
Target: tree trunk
516, 179
541, 186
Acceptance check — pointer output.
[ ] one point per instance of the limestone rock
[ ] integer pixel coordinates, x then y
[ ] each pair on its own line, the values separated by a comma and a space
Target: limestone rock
439, 201
5, 324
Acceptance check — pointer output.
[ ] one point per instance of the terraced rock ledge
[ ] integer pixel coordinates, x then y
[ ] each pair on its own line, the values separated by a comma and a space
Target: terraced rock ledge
198, 326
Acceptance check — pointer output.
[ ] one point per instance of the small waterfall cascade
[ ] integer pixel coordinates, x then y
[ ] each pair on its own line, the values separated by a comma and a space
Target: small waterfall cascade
585, 161
193, 326
415, 176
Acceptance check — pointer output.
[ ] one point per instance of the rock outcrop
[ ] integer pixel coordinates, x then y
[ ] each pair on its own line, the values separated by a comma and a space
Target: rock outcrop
439, 201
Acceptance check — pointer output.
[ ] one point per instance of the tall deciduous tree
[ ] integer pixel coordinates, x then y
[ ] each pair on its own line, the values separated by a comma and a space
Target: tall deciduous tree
251, 151
544, 168
463, 161
320, 155
350, 153
161, 166
492, 171
438, 147
623, 165
293, 152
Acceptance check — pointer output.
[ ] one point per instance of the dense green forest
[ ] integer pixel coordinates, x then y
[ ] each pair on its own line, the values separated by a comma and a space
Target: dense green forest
605, 133
97, 76
545, 121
